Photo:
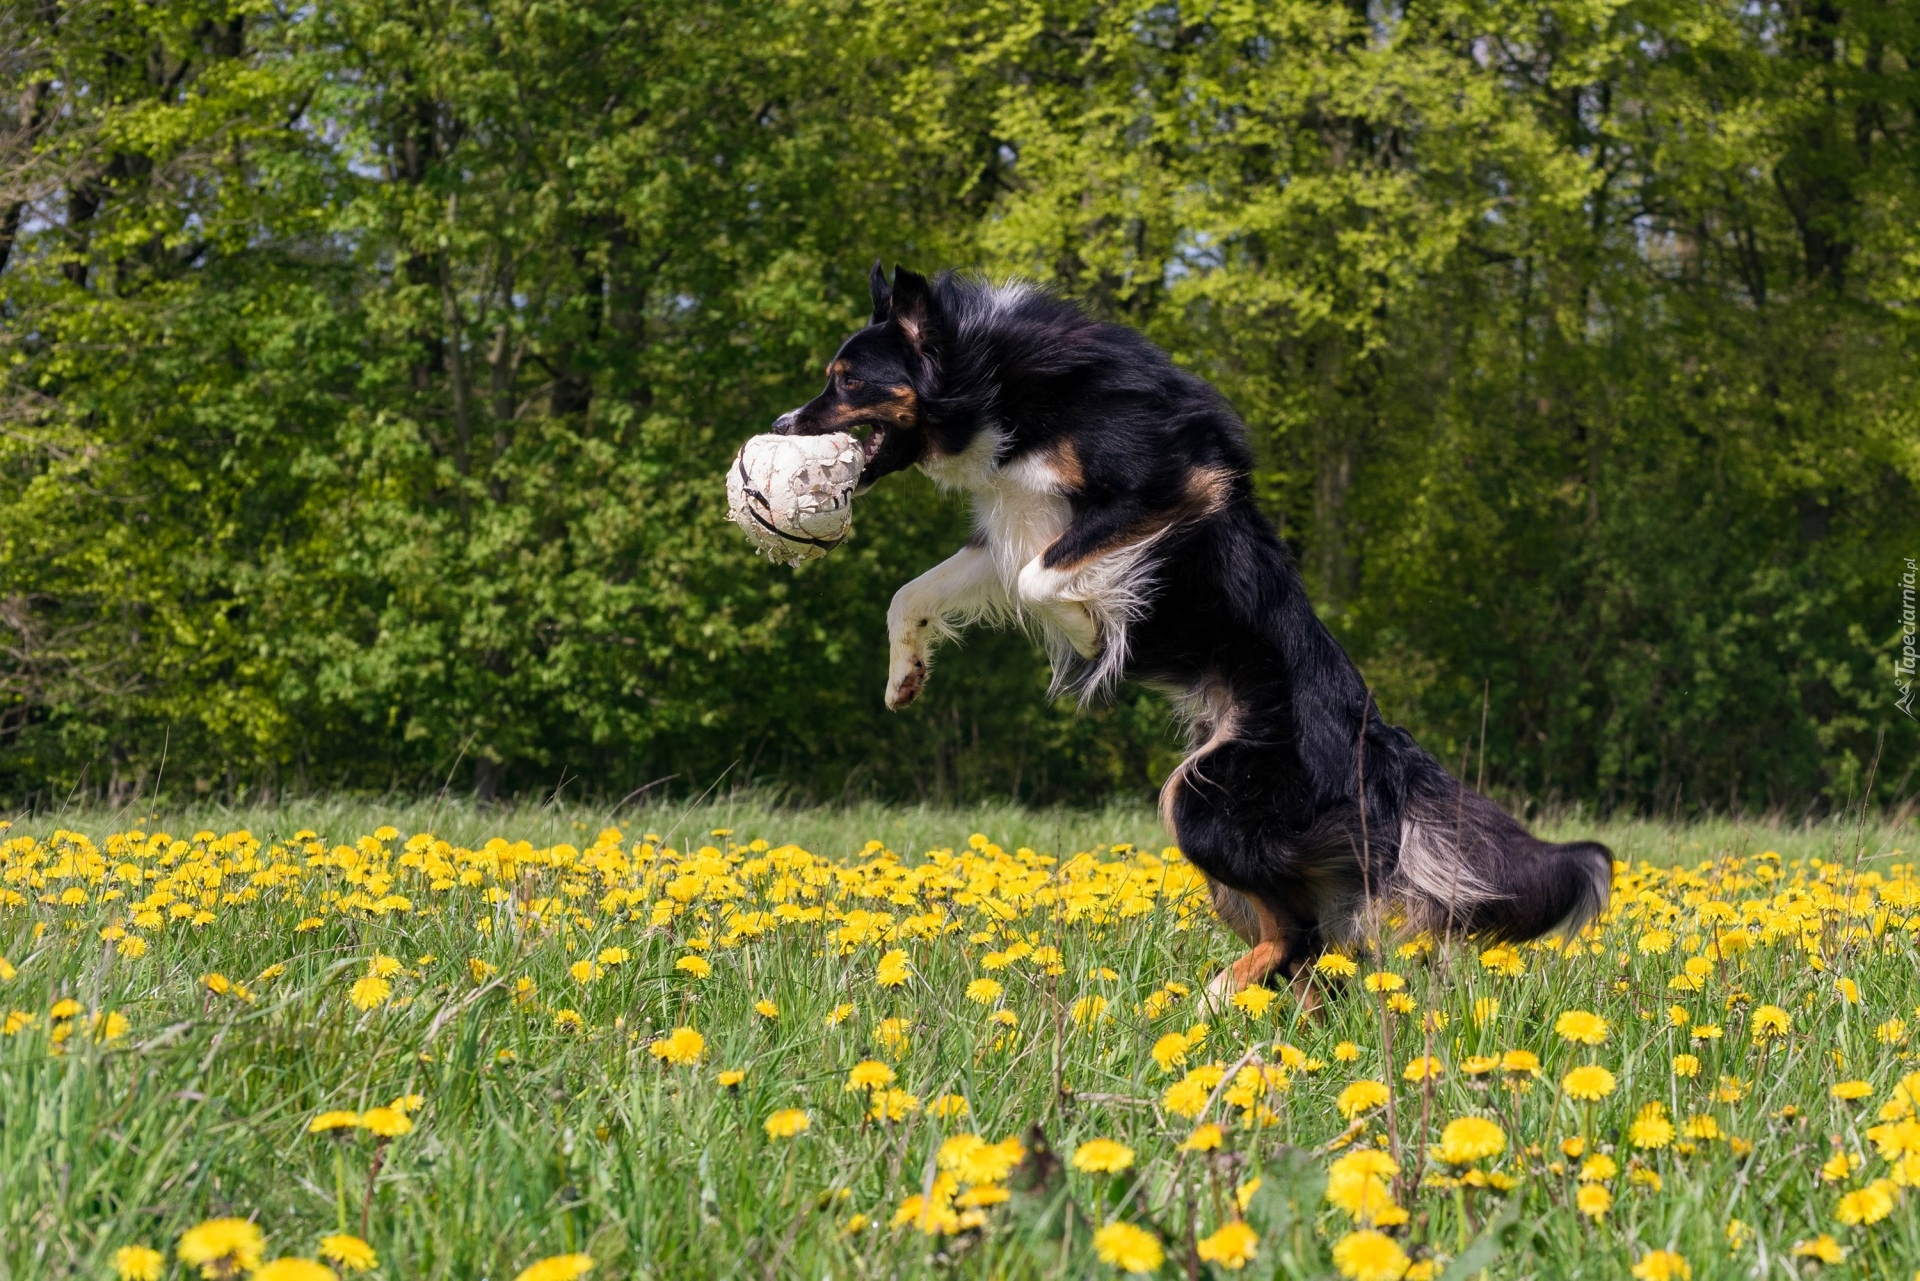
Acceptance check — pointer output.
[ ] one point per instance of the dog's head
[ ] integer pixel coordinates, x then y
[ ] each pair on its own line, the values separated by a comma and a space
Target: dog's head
876, 381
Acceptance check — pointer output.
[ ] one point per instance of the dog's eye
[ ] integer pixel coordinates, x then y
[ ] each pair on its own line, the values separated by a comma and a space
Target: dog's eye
851, 384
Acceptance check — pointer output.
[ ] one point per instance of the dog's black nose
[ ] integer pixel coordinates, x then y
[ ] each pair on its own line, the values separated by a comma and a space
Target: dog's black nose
783, 425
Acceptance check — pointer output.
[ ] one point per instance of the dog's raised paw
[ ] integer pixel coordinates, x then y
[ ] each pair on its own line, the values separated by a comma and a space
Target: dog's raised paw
906, 682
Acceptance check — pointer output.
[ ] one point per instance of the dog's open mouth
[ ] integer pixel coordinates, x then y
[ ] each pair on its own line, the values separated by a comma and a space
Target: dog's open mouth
870, 444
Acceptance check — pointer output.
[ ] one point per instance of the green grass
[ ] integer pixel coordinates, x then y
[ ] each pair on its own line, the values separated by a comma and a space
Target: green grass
534, 1141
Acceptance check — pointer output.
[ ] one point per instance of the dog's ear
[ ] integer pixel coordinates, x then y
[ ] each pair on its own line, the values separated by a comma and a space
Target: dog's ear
882, 293
912, 307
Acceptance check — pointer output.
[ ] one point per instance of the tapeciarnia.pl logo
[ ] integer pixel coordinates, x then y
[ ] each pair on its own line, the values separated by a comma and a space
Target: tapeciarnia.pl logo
1903, 667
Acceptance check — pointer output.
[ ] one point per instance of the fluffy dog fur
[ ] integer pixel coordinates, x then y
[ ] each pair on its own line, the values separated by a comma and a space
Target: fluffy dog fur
1113, 514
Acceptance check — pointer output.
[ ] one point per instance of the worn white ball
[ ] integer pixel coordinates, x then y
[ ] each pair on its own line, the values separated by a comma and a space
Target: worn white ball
793, 495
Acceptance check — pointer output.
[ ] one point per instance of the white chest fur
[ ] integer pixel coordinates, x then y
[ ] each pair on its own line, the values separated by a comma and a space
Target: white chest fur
1018, 509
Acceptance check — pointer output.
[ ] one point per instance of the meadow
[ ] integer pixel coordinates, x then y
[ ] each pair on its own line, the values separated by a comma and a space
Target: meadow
737, 1040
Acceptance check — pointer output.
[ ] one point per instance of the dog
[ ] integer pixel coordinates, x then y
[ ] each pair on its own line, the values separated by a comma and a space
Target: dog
1114, 515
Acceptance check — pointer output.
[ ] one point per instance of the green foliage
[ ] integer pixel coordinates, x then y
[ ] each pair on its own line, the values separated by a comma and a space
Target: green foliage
369, 369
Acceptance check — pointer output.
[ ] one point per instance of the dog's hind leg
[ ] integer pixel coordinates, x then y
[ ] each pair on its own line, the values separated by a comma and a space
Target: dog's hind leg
1278, 948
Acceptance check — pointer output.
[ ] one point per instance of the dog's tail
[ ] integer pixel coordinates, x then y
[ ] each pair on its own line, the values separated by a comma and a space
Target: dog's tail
1466, 866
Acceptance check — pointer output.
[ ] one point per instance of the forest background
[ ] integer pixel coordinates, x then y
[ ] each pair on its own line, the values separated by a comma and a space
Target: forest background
368, 369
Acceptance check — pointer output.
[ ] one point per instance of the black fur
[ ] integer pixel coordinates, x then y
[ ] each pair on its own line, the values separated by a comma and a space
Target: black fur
1153, 462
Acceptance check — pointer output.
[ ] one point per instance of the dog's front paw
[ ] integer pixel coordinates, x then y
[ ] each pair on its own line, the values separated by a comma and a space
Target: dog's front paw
906, 676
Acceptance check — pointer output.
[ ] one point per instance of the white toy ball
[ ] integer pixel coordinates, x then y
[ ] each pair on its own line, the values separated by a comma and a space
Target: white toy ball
793, 495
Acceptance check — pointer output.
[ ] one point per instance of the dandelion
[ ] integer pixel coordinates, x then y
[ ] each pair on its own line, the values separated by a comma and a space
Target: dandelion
1346, 1052
1686, 1065
1662, 1265
1170, 1051
561, 1267
869, 1074
1582, 1027
766, 1009
1520, 1061
1866, 1206
1424, 1069
1367, 1255
1485, 1011
1088, 1009
370, 993
681, 1047
1128, 1248
731, 1078
1593, 1200
1361, 1096
1336, 965
949, 1106
1254, 1000
984, 991
1589, 1084
893, 969
1849, 990
839, 1014
388, 1123
1848, 1091
697, 966
1822, 1248
1205, 1138
1102, 1156
1232, 1246
587, 972
138, 1262
1468, 1139
294, 1269
787, 1122
1651, 1129
334, 1121
350, 1252
892, 1105
1384, 981
1770, 1022
1504, 960
221, 1248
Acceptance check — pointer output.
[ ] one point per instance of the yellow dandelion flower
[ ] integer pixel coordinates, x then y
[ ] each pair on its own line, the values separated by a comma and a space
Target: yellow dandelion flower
1823, 1247
892, 1105
984, 991
698, 966
787, 1122
1102, 1156
1866, 1206
338, 1119
1485, 1011
1504, 960
1170, 1051
1479, 1064
1129, 1248
587, 971
1384, 981
350, 1252
893, 969
1424, 1069
1361, 1096
1588, 1084
1770, 1022
1848, 1091
731, 1078
869, 1074
370, 993
561, 1267
1583, 1027
221, 1247
388, 1123
1468, 1139
1232, 1246
1254, 1000
1205, 1138
681, 1047
949, 1107
138, 1263
1687, 1065
1346, 1052
766, 1009
1367, 1255
1520, 1061
839, 1014
1336, 966
1593, 1200
294, 1269
1662, 1265
1651, 1128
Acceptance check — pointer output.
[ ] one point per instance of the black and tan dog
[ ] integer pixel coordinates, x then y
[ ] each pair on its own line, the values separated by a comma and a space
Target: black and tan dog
1112, 510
